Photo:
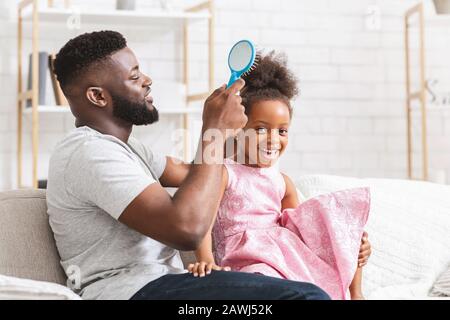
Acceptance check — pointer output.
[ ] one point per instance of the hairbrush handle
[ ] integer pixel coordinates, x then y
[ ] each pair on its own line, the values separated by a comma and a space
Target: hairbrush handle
233, 78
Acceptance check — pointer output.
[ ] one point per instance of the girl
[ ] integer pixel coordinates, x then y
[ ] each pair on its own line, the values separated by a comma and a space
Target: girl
261, 227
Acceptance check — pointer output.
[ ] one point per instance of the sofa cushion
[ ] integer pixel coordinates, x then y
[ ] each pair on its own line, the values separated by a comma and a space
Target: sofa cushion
27, 246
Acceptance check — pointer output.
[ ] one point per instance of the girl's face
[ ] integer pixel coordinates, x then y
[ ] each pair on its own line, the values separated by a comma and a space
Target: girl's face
266, 132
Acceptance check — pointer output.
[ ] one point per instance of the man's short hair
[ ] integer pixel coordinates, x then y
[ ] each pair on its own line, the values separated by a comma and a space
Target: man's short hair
82, 52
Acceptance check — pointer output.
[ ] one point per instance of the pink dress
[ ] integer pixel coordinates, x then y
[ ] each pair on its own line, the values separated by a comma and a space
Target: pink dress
317, 242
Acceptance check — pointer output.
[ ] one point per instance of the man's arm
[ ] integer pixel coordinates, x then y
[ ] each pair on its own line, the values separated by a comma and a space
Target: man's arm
182, 221
175, 172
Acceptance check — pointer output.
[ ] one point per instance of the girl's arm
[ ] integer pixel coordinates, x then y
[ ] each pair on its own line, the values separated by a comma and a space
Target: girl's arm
204, 253
290, 199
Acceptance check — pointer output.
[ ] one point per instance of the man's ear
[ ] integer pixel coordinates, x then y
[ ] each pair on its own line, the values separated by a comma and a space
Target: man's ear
96, 95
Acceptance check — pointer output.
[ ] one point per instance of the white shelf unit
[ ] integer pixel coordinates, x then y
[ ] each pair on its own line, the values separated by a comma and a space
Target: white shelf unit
29, 10
415, 20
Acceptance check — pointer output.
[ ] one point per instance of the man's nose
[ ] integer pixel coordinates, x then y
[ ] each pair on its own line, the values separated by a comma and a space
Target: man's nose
147, 81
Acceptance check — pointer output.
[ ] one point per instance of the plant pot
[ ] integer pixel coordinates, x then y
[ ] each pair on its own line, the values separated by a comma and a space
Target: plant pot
442, 6
126, 4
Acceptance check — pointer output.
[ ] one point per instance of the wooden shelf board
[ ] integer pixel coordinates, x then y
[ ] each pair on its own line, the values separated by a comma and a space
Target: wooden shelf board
131, 17
432, 108
65, 109
441, 20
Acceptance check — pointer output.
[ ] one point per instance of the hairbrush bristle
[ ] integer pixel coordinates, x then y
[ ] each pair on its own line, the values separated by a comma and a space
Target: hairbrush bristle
254, 65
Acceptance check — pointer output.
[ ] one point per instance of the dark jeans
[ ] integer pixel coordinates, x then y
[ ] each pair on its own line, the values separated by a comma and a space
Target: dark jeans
228, 285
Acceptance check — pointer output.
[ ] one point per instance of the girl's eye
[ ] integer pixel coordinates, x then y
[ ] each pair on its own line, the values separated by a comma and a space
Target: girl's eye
261, 130
283, 132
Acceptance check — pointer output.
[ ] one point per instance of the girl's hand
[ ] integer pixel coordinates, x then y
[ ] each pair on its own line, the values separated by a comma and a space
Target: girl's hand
364, 251
203, 268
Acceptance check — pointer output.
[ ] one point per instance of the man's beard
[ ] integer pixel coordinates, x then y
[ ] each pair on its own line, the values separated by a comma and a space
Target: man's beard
134, 112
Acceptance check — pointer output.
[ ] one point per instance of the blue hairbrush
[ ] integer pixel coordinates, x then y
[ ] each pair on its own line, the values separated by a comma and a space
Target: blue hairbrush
242, 59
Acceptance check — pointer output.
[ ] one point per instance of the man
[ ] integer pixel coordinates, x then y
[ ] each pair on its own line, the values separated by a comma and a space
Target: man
116, 227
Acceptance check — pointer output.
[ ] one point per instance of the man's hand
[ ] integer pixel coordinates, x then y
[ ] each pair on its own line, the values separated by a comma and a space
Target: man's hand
224, 110
204, 268
364, 251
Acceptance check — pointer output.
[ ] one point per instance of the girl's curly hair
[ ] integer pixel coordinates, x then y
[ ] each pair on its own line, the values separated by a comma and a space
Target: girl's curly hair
270, 80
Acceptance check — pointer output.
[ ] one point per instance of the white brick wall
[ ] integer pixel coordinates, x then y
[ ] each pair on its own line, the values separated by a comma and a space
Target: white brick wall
349, 118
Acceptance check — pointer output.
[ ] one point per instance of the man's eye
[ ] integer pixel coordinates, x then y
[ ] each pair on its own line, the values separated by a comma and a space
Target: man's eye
261, 130
136, 75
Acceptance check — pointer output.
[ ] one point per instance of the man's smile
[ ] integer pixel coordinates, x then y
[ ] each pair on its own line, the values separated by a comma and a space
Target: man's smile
148, 97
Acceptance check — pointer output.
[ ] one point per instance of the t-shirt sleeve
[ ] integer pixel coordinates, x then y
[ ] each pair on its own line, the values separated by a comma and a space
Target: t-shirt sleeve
156, 160
103, 173
158, 163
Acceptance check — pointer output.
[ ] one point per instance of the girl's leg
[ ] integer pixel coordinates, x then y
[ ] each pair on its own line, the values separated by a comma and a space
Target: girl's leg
355, 286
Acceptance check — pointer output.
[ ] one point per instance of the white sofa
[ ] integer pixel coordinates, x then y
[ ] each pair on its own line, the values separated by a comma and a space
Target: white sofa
409, 228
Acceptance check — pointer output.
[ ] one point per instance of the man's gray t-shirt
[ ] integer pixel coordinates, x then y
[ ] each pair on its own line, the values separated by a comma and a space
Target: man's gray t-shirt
92, 179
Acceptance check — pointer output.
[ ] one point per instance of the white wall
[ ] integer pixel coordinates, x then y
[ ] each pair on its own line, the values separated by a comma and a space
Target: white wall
349, 118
